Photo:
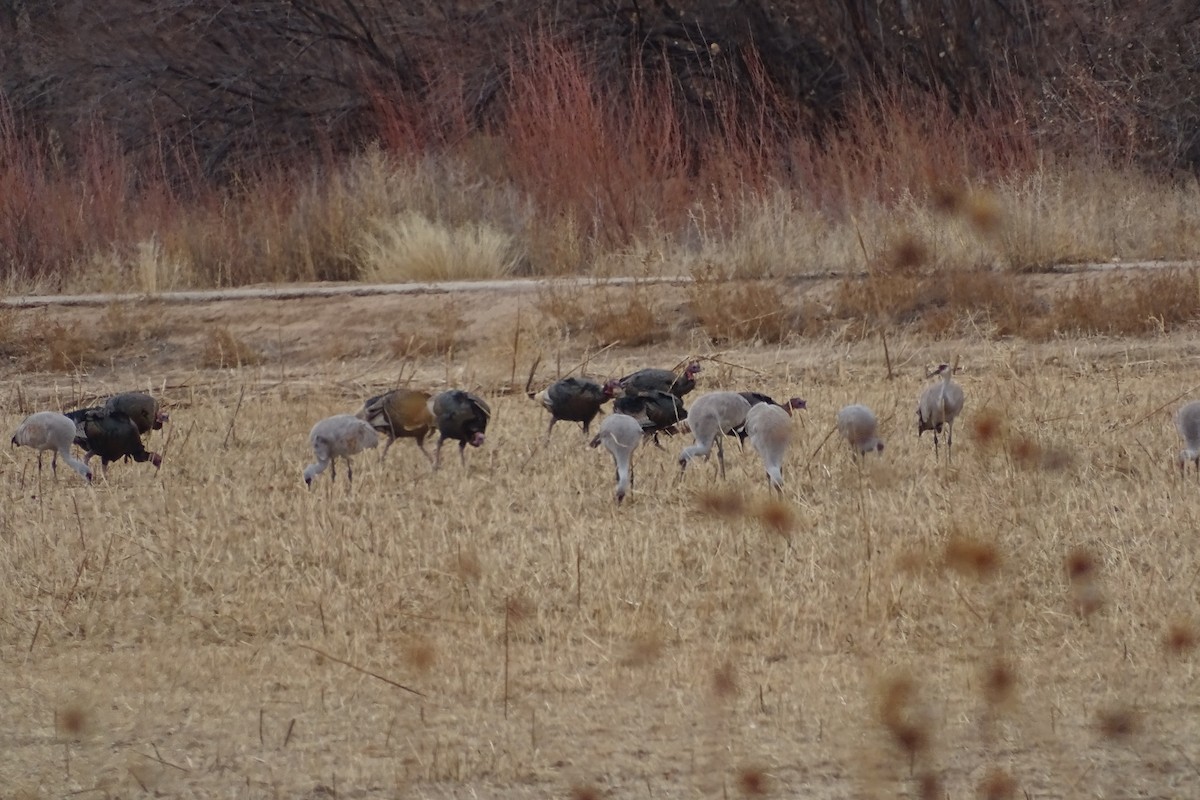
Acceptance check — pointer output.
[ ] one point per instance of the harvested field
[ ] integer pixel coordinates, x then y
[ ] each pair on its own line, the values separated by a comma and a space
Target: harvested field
1020, 623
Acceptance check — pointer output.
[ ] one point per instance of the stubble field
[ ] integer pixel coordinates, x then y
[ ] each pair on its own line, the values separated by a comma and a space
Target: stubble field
1020, 623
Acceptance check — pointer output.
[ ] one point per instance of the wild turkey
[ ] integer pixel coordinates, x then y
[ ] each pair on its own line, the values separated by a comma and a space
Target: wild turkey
49, 430
462, 416
140, 407
400, 414
339, 436
662, 380
575, 400
657, 412
711, 415
111, 435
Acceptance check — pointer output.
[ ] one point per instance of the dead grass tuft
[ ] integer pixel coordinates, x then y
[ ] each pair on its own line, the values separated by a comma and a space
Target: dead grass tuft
632, 319
438, 333
223, 350
982, 211
987, 426
467, 565
742, 311
930, 786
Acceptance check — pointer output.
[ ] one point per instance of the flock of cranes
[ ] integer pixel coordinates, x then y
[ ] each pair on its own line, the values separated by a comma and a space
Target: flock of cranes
645, 404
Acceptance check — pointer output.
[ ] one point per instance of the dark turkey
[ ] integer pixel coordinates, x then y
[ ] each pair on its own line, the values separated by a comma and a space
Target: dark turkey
575, 400
657, 412
140, 407
462, 416
111, 435
662, 380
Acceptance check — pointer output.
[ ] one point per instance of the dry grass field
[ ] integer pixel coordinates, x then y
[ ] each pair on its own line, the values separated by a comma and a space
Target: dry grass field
1020, 623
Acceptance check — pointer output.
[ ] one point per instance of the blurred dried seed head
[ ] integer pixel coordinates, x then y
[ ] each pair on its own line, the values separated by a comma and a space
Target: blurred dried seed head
721, 503
643, 649
1117, 723
752, 781
778, 518
972, 556
420, 654
724, 680
1180, 638
999, 681
997, 785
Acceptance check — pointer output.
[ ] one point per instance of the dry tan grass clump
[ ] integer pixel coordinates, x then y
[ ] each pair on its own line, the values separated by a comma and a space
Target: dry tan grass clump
743, 311
437, 333
644, 649
420, 654
777, 517
722, 503
224, 350
724, 683
631, 319
585, 791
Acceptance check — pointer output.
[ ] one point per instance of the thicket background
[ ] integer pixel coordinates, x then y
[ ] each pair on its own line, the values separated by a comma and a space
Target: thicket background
160, 142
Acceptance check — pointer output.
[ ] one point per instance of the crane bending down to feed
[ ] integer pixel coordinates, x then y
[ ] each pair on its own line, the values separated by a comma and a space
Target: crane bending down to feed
459, 415
758, 398
858, 426
400, 414
940, 404
339, 436
711, 416
769, 429
49, 430
620, 435
1187, 422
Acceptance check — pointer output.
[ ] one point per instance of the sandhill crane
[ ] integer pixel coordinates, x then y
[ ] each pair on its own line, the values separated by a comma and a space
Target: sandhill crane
459, 415
769, 428
110, 434
620, 435
1187, 422
657, 412
757, 398
339, 436
940, 404
575, 400
49, 430
662, 380
400, 414
712, 415
858, 426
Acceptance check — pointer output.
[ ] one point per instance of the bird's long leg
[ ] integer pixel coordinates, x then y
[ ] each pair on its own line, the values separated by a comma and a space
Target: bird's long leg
349, 471
54, 463
437, 453
421, 447
462, 453
549, 428
949, 442
391, 439
720, 453
39, 462
333, 468
935, 444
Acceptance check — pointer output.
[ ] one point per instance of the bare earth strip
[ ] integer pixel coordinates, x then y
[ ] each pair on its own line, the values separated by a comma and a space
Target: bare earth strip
903, 627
